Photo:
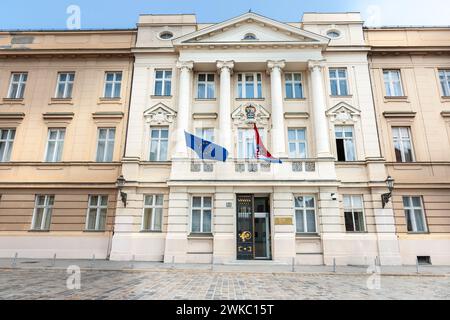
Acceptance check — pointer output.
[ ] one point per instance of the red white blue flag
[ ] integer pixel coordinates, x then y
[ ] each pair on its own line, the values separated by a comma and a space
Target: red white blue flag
261, 151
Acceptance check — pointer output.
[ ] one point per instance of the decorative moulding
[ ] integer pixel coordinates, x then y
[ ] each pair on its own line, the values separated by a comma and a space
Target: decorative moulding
108, 115
58, 116
159, 114
343, 113
211, 115
399, 114
12, 115
296, 115
250, 113
445, 114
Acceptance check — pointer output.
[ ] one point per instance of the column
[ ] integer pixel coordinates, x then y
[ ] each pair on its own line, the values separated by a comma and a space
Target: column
278, 130
225, 69
319, 108
184, 102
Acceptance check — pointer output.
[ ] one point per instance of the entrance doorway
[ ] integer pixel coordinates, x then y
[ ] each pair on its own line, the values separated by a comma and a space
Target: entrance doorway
253, 227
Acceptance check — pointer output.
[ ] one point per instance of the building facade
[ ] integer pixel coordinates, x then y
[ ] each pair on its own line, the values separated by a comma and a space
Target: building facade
63, 113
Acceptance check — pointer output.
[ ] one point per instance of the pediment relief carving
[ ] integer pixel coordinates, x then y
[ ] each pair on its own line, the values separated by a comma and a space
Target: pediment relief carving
343, 113
159, 114
250, 113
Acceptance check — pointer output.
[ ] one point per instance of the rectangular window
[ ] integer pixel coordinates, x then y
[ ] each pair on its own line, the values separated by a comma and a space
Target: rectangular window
249, 85
354, 214
153, 212
6, 144
393, 83
205, 133
105, 144
294, 85
55, 145
345, 145
415, 216
402, 144
247, 143
297, 143
17, 85
96, 215
206, 86
163, 82
42, 214
64, 85
201, 214
113, 85
159, 144
305, 214
338, 82
444, 78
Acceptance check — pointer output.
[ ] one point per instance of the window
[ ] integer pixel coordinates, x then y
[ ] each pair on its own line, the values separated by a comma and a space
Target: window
201, 214
153, 211
163, 82
334, 34
250, 36
444, 78
354, 214
294, 85
17, 85
338, 82
55, 145
105, 144
415, 217
113, 85
402, 144
344, 143
64, 85
247, 143
305, 214
159, 144
6, 144
249, 85
205, 133
42, 214
393, 83
206, 86
297, 143
166, 35
96, 216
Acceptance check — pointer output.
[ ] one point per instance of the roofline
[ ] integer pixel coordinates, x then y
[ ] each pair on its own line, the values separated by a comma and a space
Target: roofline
418, 27
65, 30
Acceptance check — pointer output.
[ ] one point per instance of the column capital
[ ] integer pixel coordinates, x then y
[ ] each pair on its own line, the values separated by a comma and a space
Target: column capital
225, 64
189, 65
316, 64
280, 64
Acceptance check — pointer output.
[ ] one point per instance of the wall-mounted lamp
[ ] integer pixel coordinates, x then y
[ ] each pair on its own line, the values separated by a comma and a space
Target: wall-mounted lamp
387, 196
120, 184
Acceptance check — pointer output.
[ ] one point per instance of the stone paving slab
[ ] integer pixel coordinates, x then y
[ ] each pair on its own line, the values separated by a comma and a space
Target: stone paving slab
39, 284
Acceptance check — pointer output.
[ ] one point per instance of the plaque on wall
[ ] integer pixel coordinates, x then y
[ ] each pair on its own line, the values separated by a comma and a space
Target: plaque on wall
283, 221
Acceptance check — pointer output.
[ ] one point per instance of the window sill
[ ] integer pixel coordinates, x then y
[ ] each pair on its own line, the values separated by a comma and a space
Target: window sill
205, 99
418, 233
356, 232
346, 96
160, 97
307, 236
150, 231
396, 98
94, 231
201, 236
250, 99
39, 231
13, 101
294, 99
445, 98
60, 101
109, 101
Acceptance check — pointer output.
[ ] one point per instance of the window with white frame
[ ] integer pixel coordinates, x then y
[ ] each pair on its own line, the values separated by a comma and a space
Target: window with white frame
113, 85
297, 143
206, 86
163, 82
345, 145
201, 214
6, 143
338, 82
153, 212
159, 144
393, 83
105, 144
64, 85
247, 143
42, 213
249, 85
305, 214
17, 85
354, 213
96, 215
402, 144
444, 78
205, 133
293, 85
415, 215
55, 145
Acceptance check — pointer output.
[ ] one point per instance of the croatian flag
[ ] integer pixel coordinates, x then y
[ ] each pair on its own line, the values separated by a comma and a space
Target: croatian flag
206, 149
261, 151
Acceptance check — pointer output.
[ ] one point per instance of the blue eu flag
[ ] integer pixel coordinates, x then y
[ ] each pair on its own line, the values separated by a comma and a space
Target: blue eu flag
206, 149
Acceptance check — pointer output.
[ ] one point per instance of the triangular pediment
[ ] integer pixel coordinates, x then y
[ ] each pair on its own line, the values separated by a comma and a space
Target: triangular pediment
343, 112
160, 114
265, 30
250, 113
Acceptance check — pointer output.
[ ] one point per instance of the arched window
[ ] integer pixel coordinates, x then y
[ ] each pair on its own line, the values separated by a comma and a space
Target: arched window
166, 35
333, 34
250, 36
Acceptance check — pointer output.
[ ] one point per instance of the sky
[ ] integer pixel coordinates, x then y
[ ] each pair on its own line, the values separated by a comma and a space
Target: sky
107, 14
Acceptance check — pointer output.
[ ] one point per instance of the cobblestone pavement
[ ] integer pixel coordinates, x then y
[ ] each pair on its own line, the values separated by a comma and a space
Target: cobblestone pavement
204, 285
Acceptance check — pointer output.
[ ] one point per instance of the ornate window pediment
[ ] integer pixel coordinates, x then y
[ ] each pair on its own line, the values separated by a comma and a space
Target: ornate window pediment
159, 114
343, 113
250, 113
